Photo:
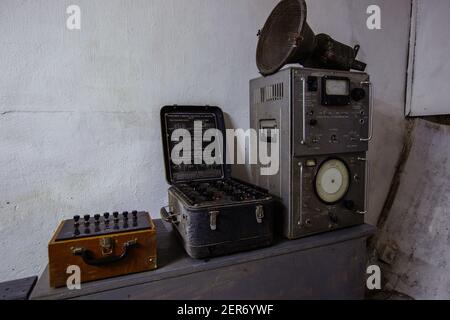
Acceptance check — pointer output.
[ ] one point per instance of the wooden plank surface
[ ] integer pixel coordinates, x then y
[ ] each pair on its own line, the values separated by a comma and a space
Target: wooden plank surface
329, 272
173, 263
17, 289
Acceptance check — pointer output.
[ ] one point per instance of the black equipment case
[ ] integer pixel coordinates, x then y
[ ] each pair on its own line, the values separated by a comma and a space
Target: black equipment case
211, 213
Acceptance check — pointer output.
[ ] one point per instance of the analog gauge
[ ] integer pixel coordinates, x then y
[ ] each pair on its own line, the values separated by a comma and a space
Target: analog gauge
332, 181
337, 87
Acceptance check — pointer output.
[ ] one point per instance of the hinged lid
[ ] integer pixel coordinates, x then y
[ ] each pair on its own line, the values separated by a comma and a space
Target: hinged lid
194, 120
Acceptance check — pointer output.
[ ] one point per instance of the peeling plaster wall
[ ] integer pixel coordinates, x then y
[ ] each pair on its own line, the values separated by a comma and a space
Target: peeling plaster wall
79, 110
418, 223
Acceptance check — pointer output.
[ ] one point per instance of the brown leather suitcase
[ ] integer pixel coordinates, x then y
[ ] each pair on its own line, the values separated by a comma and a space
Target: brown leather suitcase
102, 247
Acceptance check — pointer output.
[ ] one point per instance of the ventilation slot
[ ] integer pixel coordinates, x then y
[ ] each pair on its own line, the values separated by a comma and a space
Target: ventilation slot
274, 92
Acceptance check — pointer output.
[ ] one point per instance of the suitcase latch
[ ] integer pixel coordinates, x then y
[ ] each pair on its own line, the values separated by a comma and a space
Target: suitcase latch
107, 245
213, 220
259, 213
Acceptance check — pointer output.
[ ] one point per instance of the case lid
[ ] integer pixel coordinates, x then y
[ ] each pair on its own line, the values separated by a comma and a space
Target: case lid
190, 164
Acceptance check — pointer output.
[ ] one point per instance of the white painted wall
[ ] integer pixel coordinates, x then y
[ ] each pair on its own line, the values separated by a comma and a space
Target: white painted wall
79, 111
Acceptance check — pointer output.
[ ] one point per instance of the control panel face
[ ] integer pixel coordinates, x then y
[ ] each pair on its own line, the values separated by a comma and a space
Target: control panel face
219, 192
105, 224
331, 112
329, 192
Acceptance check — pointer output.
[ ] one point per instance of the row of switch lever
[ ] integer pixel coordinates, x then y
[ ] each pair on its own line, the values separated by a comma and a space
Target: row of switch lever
106, 216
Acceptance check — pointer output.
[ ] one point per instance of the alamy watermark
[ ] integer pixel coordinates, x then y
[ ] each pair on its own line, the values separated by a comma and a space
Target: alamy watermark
73, 21
263, 147
374, 277
374, 19
73, 281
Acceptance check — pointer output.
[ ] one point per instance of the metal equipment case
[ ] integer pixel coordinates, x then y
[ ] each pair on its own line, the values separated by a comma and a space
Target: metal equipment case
212, 213
324, 122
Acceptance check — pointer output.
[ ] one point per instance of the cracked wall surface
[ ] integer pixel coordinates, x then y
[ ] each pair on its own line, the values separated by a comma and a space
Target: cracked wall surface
418, 223
79, 110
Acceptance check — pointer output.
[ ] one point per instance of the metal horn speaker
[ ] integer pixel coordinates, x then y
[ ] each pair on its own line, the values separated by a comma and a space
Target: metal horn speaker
287, 38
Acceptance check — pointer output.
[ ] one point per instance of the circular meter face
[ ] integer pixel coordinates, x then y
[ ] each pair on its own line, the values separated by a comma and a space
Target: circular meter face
332, 181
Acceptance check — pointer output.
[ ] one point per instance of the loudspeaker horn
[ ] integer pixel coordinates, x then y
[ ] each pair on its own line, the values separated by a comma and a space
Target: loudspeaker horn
287, 38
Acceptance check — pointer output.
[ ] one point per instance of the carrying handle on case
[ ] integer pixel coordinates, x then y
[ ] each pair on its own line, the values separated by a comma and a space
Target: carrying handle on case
300, 199
366, 187
168, 216
88, 256
371, 111
303, 141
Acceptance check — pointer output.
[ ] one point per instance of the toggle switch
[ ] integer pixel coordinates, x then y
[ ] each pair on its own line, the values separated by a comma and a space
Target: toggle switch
333, 217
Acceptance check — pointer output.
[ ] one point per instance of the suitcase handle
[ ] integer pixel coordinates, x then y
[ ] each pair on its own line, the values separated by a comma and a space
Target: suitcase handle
89, 259
168, 216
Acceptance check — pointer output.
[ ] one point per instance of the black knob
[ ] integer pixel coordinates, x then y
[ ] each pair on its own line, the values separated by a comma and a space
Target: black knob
313, 122
134, 213
115, 214
97, 217
349, 204
106, 215
86, 218
76, 218
358, 94
125, 214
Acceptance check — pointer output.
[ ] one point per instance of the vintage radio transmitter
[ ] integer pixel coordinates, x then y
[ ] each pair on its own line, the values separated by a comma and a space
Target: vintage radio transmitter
102, 246
323, 118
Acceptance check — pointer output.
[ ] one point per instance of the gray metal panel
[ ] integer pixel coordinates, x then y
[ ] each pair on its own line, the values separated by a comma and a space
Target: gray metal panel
310, 215
341, 122
288, 270
280, 111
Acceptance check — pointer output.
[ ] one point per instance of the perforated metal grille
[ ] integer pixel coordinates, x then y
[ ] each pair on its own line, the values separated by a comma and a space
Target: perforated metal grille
273, 92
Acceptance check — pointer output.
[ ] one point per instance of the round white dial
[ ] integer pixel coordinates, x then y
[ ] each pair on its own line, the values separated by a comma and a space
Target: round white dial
332, 181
